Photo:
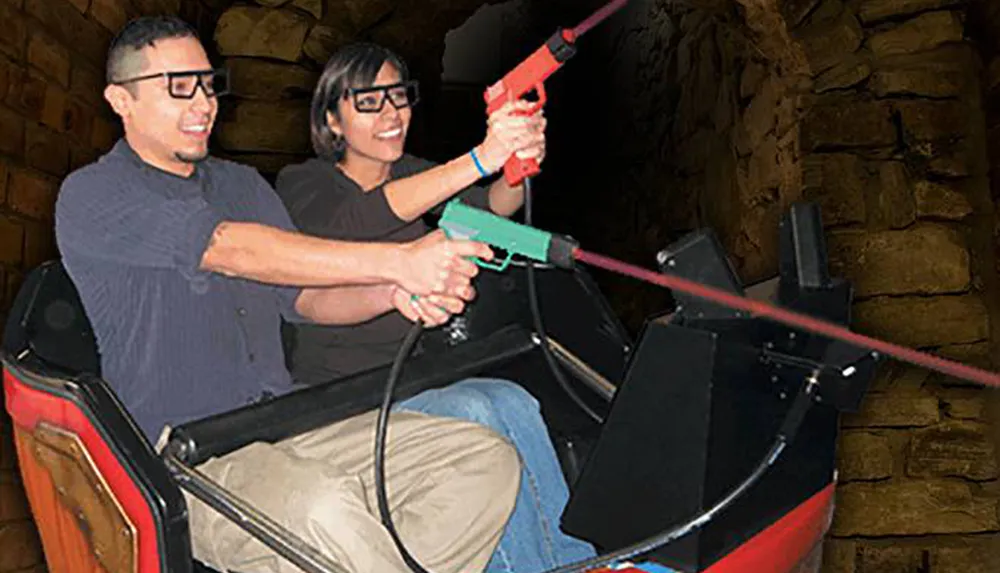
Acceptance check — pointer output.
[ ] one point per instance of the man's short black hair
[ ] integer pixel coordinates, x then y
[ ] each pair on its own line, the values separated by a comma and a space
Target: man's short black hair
138, 34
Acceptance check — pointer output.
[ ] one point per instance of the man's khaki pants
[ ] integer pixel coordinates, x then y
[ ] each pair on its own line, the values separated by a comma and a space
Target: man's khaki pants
451, 488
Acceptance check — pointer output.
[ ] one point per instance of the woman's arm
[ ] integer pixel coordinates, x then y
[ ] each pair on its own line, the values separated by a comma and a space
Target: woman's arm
344, 305
507, 133
357, 304
411, 197
504, 199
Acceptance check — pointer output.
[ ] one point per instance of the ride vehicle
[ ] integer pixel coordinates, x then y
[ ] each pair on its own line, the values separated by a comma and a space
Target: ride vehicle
685, 414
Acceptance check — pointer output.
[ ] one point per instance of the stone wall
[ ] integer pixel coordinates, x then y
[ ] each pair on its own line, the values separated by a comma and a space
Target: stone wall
710, 112
276, 50
52, 120
725, 113
896, 135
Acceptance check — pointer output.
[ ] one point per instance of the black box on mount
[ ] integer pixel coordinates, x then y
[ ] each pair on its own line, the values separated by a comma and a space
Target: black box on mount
702, 400
698, 256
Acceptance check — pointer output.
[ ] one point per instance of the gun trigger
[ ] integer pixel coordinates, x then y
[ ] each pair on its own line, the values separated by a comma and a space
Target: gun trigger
540, 88
494, 266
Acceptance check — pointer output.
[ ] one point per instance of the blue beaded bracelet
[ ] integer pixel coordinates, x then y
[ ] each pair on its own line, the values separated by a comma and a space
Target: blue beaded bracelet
479, 166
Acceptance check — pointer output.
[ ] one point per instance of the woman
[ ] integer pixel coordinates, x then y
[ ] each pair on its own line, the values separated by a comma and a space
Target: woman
363, 186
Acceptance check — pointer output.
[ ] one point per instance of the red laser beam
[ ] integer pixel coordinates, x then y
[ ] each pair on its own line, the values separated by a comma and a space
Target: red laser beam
597, 17
805, 322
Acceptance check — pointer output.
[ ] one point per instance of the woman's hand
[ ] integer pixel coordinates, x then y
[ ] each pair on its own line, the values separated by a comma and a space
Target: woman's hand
433, 310
510, 131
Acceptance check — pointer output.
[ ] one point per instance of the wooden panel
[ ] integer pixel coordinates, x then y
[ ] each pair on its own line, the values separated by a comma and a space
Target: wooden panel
82, 526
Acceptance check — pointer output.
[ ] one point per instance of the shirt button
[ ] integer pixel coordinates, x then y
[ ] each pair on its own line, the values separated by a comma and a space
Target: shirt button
241, 311
252, 357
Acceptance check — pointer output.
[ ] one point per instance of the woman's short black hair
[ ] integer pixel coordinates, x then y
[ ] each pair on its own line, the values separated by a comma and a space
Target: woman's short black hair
353, 66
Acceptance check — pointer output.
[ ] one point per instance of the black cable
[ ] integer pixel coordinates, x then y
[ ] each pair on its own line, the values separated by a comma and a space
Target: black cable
536, 317
790, 426
380, 438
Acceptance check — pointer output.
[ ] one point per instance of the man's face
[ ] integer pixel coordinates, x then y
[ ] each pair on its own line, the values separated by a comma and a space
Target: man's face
168, 131
378, 136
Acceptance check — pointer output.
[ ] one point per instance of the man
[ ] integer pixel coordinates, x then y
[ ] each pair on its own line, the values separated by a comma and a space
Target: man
185, 265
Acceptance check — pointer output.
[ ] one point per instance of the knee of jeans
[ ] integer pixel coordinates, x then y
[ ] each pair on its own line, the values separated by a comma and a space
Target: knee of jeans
504, 393
473, 404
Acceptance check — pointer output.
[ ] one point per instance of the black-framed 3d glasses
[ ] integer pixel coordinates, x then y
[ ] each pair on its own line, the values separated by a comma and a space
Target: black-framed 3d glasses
372, 99
184, 84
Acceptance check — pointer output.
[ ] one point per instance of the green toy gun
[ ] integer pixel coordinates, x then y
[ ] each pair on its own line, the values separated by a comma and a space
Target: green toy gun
460, 221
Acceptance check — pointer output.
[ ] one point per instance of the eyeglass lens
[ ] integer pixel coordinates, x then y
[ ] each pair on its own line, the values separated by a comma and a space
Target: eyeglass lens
373, 99
184, 85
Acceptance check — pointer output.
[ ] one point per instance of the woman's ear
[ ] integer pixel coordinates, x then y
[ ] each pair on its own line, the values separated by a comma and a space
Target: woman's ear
331, 121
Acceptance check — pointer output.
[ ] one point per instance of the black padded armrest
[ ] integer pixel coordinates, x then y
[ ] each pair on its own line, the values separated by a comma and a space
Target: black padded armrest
313, 407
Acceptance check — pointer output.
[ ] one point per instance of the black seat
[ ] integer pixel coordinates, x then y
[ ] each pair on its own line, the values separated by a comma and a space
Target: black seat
48, 320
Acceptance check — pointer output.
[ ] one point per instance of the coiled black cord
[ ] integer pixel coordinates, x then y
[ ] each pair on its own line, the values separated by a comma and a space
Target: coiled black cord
381, 430
536, 318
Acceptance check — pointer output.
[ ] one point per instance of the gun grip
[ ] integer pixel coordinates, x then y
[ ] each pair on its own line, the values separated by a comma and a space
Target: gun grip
515, 170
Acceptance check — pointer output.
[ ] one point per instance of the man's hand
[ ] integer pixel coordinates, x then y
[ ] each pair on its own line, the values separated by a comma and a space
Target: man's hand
509, 131
433, 310
435, 264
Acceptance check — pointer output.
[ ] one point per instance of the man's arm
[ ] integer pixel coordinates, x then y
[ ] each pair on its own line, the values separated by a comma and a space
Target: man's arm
431, 264
276, 256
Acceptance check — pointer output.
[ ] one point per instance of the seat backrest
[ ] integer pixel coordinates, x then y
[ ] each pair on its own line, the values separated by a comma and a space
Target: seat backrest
103, 500
47, 318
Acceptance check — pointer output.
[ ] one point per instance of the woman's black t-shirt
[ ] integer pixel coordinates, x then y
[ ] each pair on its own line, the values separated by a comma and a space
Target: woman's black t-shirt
324, 202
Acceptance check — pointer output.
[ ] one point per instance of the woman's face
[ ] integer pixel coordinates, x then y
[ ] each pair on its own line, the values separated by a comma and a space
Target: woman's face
373, 135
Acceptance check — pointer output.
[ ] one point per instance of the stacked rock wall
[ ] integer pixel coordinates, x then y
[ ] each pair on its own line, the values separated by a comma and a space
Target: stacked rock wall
874, 109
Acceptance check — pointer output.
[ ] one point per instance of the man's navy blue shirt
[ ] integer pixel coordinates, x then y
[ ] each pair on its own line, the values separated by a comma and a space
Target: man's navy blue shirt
177, 343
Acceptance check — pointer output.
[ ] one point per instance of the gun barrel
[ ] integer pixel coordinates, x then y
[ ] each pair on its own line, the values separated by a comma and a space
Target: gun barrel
532, 72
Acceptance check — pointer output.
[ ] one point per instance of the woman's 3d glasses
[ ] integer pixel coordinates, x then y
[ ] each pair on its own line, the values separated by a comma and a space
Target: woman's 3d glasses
372, 99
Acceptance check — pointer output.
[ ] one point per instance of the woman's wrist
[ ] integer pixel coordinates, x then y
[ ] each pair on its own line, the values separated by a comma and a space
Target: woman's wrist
477, 161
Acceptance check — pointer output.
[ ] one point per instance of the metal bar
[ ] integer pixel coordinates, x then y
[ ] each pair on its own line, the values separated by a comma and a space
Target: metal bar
272, 534
580, 369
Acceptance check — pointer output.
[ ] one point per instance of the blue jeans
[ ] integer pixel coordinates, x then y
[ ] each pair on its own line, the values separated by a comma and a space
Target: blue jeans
532, 541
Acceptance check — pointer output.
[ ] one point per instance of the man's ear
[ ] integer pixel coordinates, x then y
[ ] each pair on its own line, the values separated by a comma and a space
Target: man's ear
120, 99
331, 121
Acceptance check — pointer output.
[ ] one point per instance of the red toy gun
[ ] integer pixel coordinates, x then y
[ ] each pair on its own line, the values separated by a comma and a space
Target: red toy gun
530, 75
